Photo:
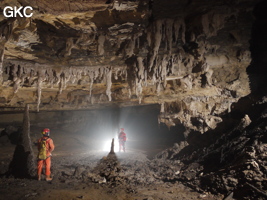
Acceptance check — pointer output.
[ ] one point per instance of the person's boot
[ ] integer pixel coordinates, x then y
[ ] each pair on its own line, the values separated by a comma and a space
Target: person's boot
48, 178
39, 177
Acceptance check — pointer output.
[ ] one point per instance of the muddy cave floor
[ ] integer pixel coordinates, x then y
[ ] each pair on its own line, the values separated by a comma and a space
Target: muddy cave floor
75, 153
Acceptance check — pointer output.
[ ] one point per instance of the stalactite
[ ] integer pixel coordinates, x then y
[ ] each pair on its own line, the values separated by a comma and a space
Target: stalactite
208, 75
158, 86
169, 33
61, 83
129, 49
187, 80
179, 27
125, 74
101, 72
16, 86
72, 76
2, 52
69, 46
138, 89
96, 73
66, 77
162, 107
50, 76
79, 74
109, 83
164, 69
39, 88
141, 68
91, 76
116, 74
129, 92
42, 76
149, 36
145, 81
157, 40
6, 28
212, 22
100, 44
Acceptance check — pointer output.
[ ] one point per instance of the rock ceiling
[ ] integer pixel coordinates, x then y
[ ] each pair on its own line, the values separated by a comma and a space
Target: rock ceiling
189, 56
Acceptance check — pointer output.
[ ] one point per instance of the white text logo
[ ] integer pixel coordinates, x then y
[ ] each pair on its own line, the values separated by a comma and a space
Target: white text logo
14, 12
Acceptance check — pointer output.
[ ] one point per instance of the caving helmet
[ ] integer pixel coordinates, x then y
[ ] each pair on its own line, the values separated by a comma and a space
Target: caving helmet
46, 132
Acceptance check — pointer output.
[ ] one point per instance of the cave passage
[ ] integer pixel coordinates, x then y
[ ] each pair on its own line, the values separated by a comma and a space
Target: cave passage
79, 132
93, 130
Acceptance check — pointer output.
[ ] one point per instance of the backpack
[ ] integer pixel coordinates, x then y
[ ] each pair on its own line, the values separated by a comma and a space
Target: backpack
42, 151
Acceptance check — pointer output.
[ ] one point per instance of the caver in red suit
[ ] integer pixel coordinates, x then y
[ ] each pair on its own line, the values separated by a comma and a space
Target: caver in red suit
122, 139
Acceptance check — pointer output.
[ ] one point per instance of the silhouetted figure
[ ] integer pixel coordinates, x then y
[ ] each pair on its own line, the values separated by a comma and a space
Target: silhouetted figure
122, 139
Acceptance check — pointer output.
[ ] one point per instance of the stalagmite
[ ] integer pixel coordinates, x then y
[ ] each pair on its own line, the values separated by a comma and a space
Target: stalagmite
22, 164
112, 147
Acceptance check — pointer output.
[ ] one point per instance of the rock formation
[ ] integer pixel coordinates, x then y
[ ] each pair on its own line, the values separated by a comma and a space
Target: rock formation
22, 164
190, 56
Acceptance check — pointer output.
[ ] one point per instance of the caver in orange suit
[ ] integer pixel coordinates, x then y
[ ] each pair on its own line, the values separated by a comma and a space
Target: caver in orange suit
49, 147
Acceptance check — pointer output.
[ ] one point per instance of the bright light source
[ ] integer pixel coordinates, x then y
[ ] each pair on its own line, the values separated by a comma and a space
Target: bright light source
107, 145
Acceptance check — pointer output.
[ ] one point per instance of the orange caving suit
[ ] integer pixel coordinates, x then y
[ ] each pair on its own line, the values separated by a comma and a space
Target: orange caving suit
47, 162
122, 140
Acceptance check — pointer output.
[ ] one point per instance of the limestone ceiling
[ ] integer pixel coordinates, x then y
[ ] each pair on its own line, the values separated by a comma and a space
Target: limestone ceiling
190, 56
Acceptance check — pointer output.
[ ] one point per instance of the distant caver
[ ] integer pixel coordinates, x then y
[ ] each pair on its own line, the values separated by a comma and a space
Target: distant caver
122, 139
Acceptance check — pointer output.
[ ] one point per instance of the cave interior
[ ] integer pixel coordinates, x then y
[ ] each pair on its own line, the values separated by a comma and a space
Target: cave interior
186, 79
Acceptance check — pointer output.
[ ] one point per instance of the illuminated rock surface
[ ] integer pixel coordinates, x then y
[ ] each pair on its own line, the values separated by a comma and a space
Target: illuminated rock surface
198, 67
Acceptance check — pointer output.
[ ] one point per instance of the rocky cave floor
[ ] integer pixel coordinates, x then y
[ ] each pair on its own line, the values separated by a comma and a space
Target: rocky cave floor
80, 171
229, 163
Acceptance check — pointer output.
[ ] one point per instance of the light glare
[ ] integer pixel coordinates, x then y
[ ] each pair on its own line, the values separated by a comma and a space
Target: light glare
107, 145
